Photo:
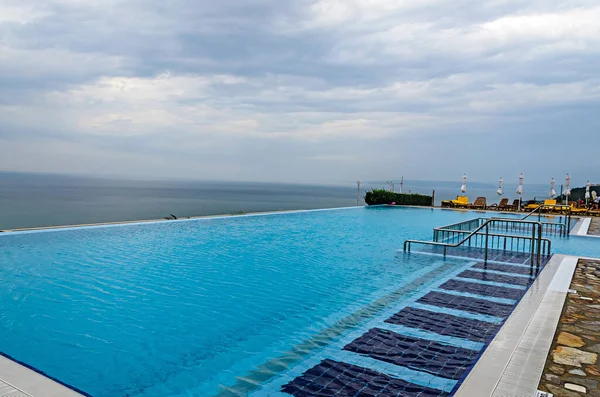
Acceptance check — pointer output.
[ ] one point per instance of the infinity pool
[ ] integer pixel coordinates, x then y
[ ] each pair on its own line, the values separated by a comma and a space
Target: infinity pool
185, 308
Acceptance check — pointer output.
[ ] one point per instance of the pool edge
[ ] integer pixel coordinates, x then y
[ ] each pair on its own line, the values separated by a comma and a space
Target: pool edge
83, 226
513, 362
29, 380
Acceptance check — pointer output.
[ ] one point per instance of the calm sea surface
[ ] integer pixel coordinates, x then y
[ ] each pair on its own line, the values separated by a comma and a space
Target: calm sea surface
31, 200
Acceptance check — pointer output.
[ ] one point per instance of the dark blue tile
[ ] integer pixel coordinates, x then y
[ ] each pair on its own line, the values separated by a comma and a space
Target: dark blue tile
497, 278
471, 305
517, 258
530, 271
419, 354
483, 289
445, 324
333, 378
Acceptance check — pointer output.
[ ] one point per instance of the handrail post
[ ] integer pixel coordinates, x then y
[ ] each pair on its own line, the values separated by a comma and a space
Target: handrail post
532, 245
539, 247
487, 233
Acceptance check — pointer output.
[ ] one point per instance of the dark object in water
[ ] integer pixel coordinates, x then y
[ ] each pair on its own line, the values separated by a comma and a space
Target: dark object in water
173, 216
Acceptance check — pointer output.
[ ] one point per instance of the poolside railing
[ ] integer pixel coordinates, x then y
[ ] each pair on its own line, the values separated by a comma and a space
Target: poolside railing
505, 242
500, 225
564, 211
481, 237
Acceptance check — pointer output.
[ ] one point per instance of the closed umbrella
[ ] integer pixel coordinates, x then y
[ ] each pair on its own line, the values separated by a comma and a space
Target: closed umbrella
499, 191
552, 191
567, 188
587, 192
520, 190
463, 188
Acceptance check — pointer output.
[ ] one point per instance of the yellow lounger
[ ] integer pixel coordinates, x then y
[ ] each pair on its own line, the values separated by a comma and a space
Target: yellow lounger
575, 210
461, 201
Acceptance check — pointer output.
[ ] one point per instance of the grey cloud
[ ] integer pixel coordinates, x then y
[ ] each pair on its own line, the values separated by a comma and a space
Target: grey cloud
394, 84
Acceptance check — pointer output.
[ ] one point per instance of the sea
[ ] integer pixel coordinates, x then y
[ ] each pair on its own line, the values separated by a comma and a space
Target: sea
36, 200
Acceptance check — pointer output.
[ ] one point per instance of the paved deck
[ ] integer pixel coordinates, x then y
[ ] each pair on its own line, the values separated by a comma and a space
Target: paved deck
17, 380
572, 366
594, 229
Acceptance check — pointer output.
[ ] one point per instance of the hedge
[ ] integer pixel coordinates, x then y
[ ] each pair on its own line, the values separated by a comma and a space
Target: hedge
578, 193
381, 196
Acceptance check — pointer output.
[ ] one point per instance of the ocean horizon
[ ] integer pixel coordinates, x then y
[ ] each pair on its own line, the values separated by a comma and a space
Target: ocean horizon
37, 200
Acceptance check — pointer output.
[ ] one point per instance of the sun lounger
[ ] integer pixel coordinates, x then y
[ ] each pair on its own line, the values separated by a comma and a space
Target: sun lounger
461, 202
501, 206
446, 203
530, 207
480, 203
577, 210
549, 206
515, 205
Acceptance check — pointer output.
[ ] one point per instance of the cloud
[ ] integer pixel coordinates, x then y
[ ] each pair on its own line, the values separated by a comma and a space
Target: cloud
336, 89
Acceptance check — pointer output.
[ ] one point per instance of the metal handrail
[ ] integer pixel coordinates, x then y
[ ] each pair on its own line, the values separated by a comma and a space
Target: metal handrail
408, 243
548, 227
567, 208
451, 233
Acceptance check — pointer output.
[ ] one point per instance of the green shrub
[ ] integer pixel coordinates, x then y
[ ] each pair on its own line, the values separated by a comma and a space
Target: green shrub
381, 196
578, 193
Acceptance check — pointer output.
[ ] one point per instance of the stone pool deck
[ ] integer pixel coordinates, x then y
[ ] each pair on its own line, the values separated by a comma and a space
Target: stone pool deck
573, 367
594, 229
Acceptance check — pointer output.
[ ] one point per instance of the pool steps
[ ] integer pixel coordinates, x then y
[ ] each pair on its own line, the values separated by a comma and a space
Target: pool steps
451, 312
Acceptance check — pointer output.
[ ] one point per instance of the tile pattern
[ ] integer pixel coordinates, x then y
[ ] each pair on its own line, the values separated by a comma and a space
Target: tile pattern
445, 324
419, 354
527, 271
573, 361
497, 278
333, 378
467, 304
483, 289
431, 357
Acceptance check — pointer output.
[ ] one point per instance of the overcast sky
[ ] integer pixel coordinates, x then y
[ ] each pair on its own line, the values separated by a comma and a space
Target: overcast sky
302, 90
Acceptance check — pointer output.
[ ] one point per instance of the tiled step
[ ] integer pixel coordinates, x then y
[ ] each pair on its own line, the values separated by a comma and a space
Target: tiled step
471, 305
425, 342
333, 378
419, 354
445, 324
482, 289
514, 269
497, 278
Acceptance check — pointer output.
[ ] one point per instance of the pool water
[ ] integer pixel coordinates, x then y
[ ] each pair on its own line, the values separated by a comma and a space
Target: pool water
185, 308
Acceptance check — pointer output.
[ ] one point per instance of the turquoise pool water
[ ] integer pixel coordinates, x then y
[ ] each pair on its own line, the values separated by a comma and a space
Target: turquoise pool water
184, 308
